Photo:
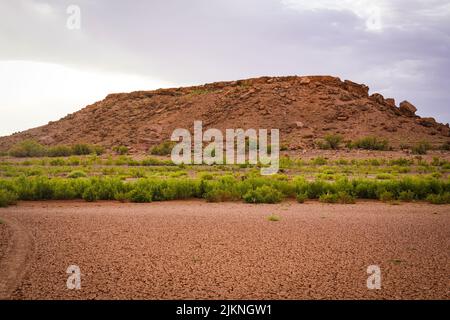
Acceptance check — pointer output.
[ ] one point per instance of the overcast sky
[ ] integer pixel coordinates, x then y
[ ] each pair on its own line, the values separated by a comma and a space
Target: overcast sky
400, 48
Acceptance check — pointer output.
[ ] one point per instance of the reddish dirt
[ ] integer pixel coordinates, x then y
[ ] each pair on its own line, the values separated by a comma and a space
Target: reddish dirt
303, 108
198, 250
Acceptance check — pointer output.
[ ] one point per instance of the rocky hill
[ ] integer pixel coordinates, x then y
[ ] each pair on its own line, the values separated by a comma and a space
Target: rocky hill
305, 109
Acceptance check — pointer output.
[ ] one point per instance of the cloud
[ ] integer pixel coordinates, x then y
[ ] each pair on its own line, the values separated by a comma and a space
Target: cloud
400, 48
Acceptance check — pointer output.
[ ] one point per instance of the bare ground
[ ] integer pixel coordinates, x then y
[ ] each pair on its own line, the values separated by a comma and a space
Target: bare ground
198, 250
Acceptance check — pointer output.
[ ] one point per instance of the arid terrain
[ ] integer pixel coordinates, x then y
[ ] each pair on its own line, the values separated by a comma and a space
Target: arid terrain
362, 181
304, 109
199, 250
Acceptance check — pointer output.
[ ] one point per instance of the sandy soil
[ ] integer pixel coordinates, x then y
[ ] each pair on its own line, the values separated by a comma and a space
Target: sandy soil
198, 250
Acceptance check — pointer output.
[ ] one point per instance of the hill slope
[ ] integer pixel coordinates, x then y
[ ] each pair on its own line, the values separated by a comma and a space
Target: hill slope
303, 108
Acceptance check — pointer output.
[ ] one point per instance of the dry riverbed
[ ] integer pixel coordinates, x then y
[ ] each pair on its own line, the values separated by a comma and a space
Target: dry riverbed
199, 250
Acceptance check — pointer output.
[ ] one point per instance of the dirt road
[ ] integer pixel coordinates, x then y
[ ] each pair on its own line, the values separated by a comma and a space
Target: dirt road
199, 250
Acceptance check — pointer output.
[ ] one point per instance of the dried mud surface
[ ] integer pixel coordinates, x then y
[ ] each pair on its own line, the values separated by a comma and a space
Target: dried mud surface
199, 250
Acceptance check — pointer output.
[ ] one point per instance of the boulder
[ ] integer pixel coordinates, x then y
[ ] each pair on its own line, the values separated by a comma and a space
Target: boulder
427, 122
390, 102
360, 90
407, 108
377, 98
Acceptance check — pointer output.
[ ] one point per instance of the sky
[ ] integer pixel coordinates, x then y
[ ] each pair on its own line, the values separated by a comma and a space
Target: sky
58, 56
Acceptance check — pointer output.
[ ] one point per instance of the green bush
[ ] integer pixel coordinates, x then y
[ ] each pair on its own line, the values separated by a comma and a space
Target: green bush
386, 196
163, 149
406, 196
27, 148
371, 143
122, 150
81, 149
219, 195
439, 198
59, 151
301, 197
264, 194
140, 194
421, 148
274, 217
7, 198
76, 174
340, 197
90, 194
331, 141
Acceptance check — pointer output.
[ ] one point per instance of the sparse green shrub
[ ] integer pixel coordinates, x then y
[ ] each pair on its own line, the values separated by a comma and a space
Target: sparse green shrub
163, 149
384, 176
122, 150
90, 194
421, 148
57, 162
27, 148
264, 194
319, 161
121, 196
7, 198
80, 149
332, 141
406, 196
386, 196
219, 195
301, 197
345, 198
439, 198
328, 198
140, 194
274, 217
371, 143
59, 151
76, 174
340, 197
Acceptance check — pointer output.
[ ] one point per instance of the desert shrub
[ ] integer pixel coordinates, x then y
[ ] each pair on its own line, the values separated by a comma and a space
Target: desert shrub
384, 176
437, 162
371, 143
163, 149
76, 174
439, 198
122, 150
386, 196
27, 148
401, 162
274, 217
332, 141
140, 194
7, 198
406, 196
57, 162
340, 197
319, 161
90, 194
63, 190
328, 198
218, 195
80, 149
301, 197
421, 148
345, 198
264, 194
121, 196
59, 151
445, 146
